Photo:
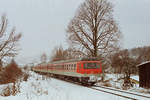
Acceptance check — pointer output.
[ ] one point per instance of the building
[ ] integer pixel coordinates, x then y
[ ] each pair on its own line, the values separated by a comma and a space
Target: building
144, 74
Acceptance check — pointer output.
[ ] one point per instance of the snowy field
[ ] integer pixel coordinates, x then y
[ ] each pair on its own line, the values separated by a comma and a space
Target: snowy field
43, 88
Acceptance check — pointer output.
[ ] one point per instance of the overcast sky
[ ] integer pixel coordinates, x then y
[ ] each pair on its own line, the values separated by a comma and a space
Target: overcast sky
43, 23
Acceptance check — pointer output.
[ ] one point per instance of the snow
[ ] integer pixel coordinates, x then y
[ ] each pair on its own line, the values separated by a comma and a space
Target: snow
115, 81
143, 63
135, 78
39, 87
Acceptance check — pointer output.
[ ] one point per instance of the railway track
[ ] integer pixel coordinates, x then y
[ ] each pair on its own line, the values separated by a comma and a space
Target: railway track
120, 93
101, 90
105, 91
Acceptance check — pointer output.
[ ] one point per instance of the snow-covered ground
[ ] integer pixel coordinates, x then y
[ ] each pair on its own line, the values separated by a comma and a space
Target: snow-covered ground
43, 88
115, 81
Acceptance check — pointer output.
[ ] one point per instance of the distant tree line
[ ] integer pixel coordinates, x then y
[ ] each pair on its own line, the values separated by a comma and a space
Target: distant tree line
126, 60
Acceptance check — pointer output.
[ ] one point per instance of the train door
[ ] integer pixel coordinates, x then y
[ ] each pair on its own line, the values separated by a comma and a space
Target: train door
79, 67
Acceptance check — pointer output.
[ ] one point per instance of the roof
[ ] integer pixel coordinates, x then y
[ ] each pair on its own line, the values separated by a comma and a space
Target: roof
65, 61
75, 60
143, 63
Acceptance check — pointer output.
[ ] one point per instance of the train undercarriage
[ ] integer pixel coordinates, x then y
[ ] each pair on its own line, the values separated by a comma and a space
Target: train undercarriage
86, 81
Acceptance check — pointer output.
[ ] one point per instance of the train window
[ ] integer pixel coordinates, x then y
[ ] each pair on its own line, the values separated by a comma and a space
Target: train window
70, 66
74, 66
91, 65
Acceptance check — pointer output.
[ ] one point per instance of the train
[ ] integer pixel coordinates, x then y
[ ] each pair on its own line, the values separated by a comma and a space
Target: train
87, 71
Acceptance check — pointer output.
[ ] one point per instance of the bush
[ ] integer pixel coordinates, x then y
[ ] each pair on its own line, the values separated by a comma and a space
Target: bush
11, 73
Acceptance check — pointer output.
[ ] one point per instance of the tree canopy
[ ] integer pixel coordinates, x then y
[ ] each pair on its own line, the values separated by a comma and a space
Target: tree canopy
93, 29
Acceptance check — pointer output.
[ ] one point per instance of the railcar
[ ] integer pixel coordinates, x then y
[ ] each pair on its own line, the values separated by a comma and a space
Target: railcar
82, 70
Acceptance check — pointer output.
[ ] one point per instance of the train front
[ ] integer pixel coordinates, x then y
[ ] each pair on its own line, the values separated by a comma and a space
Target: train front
90, 71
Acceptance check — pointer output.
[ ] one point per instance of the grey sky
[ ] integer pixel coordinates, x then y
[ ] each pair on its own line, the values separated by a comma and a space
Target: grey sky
43, 23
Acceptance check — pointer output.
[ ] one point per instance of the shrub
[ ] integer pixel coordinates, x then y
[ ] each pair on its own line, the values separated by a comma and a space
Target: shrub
11, 73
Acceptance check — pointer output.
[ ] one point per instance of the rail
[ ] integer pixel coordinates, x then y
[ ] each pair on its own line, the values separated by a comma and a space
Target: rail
121, 91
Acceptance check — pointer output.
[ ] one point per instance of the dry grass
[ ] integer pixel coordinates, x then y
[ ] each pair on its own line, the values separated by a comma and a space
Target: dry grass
6, 91
11, 89
107, 84
25, 77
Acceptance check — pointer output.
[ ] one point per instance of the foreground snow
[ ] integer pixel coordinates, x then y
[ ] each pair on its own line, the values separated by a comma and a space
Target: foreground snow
42, 88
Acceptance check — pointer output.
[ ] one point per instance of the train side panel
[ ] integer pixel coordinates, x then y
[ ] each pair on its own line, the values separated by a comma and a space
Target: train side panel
74, 69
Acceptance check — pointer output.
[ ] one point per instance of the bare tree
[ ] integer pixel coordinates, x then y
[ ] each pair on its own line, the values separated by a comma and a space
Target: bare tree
93, 29
58, 54
124, 64
73, 53
8, 41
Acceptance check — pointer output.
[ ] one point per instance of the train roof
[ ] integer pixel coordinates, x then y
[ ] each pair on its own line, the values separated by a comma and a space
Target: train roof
75, 60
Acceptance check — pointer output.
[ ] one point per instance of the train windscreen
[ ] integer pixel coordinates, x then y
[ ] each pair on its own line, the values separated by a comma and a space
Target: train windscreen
91, 65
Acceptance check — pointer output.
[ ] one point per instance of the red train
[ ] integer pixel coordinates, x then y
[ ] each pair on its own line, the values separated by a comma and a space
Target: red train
85, 70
